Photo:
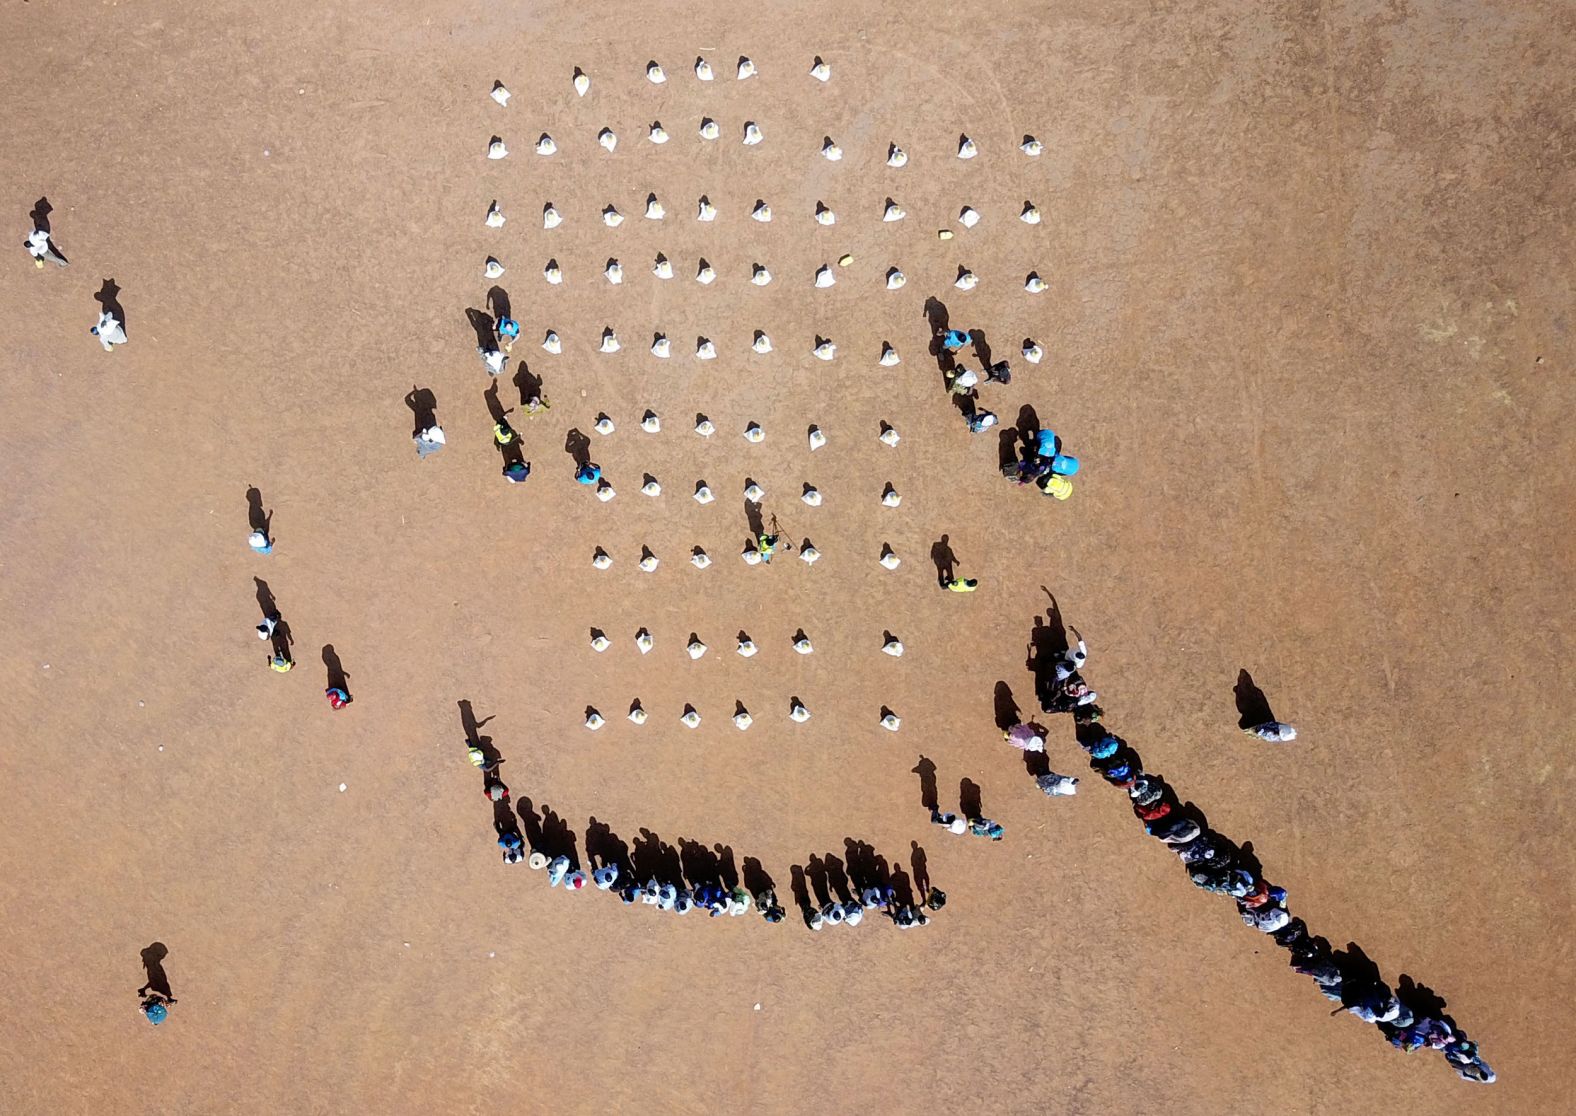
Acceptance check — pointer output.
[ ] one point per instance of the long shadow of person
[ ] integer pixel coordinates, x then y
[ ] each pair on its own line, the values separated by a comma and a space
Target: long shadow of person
1007, 451
265, 598
969, 799
337, 678
1253, 708
921, 866
752, 515
256, 518
108, 297
1007, 711
945, 560
473, 727
504, 822
727, 871
559, 839
498, 302
898, 881
282, 640
153, 965
1028, 426
654, 858
40, 214
423, 406
837, 878
756, 879
940, 321
532, 824
1053, 617
815, 872
801, 891
482, 323
929, 798
1423, 1001
603, 846
1047, 644
528, 382
578, 446
981, 350
495, 407
860, 858
1360, 976
698, 863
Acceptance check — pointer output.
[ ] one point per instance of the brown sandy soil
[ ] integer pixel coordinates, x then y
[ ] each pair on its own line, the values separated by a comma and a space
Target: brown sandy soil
1308, 330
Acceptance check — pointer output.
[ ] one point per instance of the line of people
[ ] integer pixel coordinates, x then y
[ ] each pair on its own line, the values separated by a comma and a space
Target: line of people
1217, 864
705, 883
274, 630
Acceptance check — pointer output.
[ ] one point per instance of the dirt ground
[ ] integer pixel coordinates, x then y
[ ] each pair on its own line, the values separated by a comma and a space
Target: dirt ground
1308, 329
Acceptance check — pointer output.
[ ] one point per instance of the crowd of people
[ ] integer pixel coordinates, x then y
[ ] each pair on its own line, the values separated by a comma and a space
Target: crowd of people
1043, 464
1217, 864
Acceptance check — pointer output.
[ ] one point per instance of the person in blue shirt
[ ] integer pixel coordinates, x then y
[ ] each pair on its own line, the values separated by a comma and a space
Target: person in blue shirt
156, 1007
511, 845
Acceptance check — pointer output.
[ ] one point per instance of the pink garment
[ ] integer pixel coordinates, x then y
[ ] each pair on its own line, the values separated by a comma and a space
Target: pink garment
1028, 737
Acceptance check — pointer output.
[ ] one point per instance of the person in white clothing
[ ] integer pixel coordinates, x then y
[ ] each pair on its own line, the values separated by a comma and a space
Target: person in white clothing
109, 331
41, 248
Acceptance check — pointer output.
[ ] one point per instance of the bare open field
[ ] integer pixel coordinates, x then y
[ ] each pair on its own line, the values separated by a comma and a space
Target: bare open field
1307, 327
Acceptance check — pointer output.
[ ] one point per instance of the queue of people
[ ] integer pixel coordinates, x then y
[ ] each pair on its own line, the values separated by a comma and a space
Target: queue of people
1216, 864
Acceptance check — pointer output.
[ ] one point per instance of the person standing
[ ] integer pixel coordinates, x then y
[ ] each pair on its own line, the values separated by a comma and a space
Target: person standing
429, 441
156, 1007
109, 331
41, 248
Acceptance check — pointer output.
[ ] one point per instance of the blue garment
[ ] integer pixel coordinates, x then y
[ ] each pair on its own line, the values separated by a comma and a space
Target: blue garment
1064, 465
157, 1013
1105, 747
1047, 443
954, 340
588, 473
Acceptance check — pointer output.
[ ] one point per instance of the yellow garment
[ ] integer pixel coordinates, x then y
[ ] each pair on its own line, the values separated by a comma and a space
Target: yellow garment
281, 665
1059, 486
502, 434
